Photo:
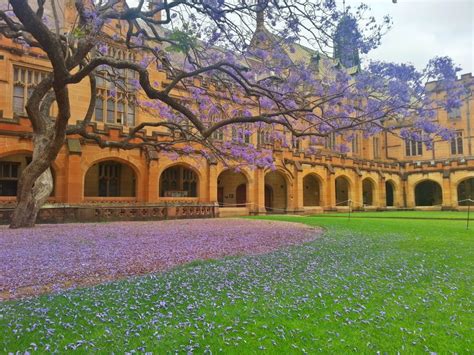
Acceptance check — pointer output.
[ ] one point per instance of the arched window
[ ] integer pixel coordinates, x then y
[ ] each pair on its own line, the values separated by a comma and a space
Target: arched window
389, 193
232, 189
178, 181
367, 192
466, 192
428, 193
110, 179
342, 191
311, 191
276, 198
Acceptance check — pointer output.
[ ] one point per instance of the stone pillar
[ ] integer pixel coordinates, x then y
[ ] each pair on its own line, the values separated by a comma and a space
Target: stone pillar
299, 192
447, 196
331, 190
356, 192
259, 192
381, 193
251, 192
74, 180
212, 183
152, 192
409, 193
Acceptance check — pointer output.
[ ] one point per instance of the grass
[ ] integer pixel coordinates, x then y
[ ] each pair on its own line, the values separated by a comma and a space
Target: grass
368, 285
462, 215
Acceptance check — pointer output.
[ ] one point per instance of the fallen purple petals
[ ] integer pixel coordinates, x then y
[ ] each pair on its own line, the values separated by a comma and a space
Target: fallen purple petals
50, 258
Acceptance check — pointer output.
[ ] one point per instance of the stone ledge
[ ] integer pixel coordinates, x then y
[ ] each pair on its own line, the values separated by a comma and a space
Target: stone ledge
77, 214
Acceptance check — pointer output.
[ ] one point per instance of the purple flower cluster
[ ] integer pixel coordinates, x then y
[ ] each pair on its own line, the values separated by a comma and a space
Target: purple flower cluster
54, 257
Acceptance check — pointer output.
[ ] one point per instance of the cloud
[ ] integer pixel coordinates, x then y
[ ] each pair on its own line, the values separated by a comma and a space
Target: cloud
424, 29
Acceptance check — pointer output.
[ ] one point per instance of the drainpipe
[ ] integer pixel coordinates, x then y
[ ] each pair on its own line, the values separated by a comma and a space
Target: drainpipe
468, 121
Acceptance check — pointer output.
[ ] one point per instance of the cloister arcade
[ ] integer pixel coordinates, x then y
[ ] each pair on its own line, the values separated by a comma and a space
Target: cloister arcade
276, 192
311, 190
232, 189
110, 179
428, 193
342, 191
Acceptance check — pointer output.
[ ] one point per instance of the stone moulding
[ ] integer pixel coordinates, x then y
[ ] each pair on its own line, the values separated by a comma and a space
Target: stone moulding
71, 214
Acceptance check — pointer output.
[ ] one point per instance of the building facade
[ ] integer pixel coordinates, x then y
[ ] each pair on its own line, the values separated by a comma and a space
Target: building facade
380, 172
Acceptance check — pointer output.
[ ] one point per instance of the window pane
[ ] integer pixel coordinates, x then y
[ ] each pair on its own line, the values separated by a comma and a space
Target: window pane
18, 99
460, 145
453, 146
120, 112
110, 110
131, 115
99, 109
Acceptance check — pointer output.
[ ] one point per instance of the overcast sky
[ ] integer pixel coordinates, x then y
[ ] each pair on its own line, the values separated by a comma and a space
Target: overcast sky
423, 29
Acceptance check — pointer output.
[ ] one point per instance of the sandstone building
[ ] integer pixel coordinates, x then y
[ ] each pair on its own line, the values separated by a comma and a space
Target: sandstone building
380, 172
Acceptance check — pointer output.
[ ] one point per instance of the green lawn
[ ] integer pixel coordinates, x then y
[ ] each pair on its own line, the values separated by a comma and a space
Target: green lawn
406, 214
367, 285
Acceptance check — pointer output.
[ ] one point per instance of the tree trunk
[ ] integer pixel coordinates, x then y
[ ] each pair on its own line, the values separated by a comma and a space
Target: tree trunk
35, 185
28, 207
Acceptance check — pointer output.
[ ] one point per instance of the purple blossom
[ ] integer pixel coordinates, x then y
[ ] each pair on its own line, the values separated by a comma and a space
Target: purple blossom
54, 257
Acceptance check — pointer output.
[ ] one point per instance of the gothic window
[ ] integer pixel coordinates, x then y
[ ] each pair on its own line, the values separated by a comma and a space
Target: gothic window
109, 179
218, 135
355, 144
413, 147
457, 144
116, 99
263, 137
330, 142
24, 82
296, 143
178, 181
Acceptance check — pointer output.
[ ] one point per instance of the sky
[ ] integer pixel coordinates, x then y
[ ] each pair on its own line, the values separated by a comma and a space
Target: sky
423, 29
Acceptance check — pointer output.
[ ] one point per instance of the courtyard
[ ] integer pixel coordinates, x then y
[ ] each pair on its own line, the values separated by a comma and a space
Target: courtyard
385, 281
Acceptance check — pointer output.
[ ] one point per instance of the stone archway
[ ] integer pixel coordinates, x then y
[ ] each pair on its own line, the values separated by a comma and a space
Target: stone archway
311, 191
276, 190
342, 191
110, 178
465, 192
179, 181
368, 192
389, 193
11, 167
232, 189
428, 193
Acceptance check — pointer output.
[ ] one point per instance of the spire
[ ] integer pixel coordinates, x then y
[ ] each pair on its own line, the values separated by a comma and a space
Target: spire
346, 40
260, 11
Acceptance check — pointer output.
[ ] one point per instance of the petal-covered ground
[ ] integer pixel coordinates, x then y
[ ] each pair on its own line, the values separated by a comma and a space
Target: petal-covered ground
54, 257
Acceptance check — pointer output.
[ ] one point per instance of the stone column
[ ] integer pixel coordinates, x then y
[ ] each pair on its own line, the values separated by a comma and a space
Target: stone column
152, 192
74, 179
409, 192
298, 191
212, 183
259, 192
331, 190
356, 192
381, 193
447, 196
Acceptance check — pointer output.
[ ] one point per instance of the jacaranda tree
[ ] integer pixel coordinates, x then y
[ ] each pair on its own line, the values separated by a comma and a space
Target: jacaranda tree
249, 52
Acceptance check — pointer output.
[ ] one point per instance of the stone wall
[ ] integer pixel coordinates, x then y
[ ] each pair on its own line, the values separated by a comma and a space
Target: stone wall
78, 214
